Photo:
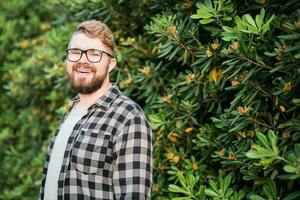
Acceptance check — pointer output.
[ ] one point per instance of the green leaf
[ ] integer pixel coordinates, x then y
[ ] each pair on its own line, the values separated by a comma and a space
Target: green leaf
297, 150
181, 179
273, 139
240, 126
289, 176
211, 193
206, 21
213, 185
250, 20
173, 54
182, 198
206, 66
293, 36
265, 27
270, 190
229, 192
248, 31
205, 14
196, 16
290, 169
157, 120
229, 36
227, 18
292, 196
285, 125
226, 183
256, 197
208, 4
263, 140
165, 51
240, 23
201, 193
228, 29
256, 154
260, 18
176, 189
238, 196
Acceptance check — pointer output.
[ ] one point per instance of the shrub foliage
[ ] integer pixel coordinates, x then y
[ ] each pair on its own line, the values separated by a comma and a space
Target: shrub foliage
218, 80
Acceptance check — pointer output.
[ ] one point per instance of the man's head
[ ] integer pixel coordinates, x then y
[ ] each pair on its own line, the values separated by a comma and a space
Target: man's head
90, 56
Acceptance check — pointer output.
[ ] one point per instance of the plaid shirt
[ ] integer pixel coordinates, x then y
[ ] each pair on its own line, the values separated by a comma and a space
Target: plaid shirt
109, 152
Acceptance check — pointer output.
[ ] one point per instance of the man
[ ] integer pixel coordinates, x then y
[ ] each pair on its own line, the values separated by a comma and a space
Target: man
103, 147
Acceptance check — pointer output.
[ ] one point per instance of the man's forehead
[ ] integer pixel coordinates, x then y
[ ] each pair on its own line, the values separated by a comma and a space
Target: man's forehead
80, 40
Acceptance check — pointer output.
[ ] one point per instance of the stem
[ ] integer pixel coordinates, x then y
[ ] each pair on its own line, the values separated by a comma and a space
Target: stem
263, 124
281, 158
255, 63
260, 89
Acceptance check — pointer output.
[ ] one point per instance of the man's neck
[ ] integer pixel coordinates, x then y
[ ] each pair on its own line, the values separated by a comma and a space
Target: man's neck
86, 100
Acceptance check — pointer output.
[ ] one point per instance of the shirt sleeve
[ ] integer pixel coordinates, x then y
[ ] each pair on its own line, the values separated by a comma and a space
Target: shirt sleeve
132, 174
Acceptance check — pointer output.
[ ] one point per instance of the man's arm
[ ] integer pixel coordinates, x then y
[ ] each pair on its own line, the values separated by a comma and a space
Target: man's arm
132, 175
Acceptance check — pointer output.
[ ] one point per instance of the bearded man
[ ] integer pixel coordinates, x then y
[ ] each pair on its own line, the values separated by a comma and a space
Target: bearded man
103, 146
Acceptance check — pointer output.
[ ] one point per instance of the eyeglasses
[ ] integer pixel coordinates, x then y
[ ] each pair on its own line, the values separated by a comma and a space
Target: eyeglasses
93, 55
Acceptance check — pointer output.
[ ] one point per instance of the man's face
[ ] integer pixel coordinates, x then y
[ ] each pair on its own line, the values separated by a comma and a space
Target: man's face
87, 77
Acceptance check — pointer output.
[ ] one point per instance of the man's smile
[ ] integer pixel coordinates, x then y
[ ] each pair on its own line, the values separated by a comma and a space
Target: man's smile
83, 72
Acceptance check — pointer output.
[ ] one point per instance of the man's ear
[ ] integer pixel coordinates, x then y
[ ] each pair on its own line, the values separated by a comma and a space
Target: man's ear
112, 64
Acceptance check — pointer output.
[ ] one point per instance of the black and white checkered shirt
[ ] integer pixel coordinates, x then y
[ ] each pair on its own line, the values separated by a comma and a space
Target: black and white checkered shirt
109, 152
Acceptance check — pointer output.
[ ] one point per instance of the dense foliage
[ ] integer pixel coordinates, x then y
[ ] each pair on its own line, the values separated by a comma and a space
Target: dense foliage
217, 79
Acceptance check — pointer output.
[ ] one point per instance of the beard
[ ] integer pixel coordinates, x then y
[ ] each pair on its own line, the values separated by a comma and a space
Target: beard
81, 84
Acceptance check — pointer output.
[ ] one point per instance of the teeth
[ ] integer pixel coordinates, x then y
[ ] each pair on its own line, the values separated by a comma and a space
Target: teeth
83, 71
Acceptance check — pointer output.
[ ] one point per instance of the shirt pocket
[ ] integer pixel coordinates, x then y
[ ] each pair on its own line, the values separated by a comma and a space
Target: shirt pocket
92, 151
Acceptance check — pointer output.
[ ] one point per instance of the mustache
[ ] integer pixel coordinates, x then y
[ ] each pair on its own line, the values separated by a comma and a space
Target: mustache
84, 66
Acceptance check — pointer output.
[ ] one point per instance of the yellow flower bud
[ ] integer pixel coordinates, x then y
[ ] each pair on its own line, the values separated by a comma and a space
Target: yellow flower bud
235, 45
190, 78
24, 44
176, 159
172, 29
234, 83
174, 134
221, 153
297, 24
166, 98
287, 87
243, 110
282, 108
232, 156
173, 139
170, 156
215, 46
146, 70
188, 130
209, 53
195, 166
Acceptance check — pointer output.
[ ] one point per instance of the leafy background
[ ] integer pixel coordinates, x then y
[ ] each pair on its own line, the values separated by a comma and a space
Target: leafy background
217, 79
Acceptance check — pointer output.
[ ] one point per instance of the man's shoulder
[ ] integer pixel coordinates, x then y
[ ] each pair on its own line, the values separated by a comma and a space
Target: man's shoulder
128, 106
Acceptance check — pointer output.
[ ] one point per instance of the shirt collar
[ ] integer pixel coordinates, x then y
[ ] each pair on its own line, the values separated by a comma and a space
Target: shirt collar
104, 101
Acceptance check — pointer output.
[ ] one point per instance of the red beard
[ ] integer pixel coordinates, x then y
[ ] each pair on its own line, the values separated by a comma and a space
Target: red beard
81, 81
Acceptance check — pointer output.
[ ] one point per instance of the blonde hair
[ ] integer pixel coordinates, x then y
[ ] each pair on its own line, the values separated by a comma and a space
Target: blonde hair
97, 29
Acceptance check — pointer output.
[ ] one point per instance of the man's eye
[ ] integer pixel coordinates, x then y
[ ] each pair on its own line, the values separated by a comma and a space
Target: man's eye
95, 53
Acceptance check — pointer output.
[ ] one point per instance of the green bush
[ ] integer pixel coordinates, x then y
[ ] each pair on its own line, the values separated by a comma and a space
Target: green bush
217, 79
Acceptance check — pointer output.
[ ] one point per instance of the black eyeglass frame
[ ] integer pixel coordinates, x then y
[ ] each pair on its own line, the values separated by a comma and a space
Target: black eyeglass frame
85, 52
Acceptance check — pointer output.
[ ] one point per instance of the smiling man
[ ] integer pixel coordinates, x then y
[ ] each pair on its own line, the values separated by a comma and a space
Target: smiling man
103, 146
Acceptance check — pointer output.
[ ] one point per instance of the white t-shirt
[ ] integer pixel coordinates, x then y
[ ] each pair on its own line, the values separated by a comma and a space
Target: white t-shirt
58, 151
